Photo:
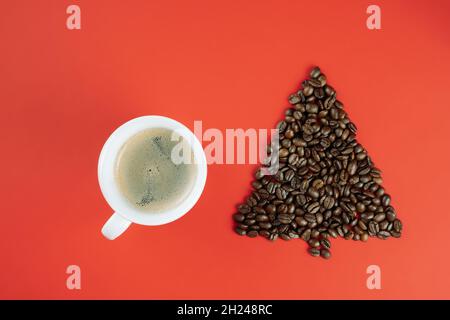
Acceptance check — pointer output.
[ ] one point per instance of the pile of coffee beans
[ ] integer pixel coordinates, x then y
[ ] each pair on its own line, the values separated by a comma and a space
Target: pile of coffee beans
326, 185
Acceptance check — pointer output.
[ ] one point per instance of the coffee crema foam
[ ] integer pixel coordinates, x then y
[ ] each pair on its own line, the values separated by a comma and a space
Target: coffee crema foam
146, 174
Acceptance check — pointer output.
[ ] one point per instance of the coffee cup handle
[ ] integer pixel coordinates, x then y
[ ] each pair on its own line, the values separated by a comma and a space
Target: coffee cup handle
115, 226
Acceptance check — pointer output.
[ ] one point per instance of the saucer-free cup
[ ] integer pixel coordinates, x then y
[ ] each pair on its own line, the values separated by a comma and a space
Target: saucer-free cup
124, 213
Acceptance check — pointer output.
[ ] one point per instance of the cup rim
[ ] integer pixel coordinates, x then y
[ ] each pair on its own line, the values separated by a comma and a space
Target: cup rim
107, 160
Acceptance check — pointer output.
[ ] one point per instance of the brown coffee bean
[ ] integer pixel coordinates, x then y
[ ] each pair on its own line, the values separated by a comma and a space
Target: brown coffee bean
312, 108
243, 208
328, 202
306, 235
313, 193
384, 225
314, 252
374, 228
252, 233
282, 209
249, 222
362, 225
398, 225
284, 218
385, 200
238, 217
293, 159
262, 218
240, 231
310, 217
308, 90
383, 235
265, 225
319, 218
360, 207
289, 134
314, 243
379, 217
364, 236
313, 207
325, 243
325, 253
333, 233
352, 167
317, 184
390, 216
315, 73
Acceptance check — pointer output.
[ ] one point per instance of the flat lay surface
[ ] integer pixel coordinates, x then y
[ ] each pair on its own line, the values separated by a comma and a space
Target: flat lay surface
228, 64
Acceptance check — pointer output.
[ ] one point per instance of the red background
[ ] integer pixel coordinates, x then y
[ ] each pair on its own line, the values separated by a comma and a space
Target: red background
231, 64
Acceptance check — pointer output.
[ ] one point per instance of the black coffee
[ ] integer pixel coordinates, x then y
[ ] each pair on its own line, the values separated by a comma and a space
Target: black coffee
147, 175
327, 185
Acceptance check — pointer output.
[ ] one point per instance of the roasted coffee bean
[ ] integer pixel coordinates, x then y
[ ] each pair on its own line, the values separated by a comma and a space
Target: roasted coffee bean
315, 233
259, 210
379, 217
293, 159
308, 90
265, 225
312, 108
319, 218
374, 228
362, 225
315, 73
243, 208
333, 233
325, 253
395, 234
384, 225
313, 193
398, 225
263, 193
238, 217
306, 235
385, 200
264, 233
285, 237
314, 243
349, 235
317, 184
313, 207
240, 231
325, 243
390, 215
293, 99
383, 235
360, 207
310, 217
283, 153
314, 252
249, 222
252, 233
328, 203
262, 218
284, 218
352, 167
273, 237
271, 209
364, 236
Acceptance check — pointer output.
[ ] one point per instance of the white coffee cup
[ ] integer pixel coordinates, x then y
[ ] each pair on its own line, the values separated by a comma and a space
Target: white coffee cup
125, 213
